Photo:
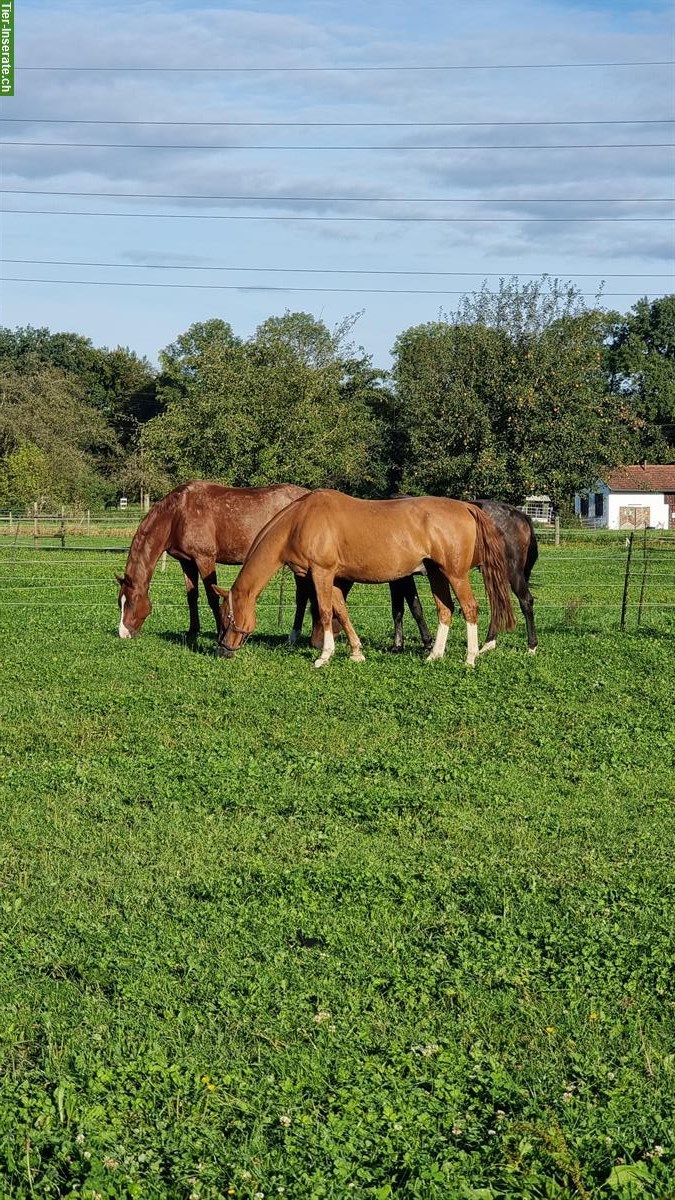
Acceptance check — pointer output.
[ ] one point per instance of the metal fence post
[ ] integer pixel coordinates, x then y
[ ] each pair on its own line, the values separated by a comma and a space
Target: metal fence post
624, 602
644, 576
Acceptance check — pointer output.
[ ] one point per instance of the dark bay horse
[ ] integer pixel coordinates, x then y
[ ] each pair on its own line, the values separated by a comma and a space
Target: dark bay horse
521, 555
200, 524
333, 536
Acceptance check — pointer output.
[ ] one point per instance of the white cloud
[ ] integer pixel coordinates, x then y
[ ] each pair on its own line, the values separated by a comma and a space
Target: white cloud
346, 34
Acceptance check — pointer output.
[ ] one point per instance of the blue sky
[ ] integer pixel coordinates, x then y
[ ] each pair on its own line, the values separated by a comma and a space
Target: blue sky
369, 148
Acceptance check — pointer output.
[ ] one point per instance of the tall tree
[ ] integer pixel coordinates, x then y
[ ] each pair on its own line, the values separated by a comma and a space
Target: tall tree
292, 403
52, 441
640, 360
117, 382
509, 396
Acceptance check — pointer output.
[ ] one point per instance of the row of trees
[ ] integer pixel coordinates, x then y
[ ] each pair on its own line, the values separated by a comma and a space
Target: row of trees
520, 390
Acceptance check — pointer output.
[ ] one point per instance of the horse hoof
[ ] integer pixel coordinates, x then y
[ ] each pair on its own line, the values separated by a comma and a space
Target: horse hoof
320, 662
358, 657
470, 662
531, 649
491, 645
432, 658
396, 649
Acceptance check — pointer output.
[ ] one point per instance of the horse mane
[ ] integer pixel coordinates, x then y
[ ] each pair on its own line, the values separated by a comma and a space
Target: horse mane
140, 550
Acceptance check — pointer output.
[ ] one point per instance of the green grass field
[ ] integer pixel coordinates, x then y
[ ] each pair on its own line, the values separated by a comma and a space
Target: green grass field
389, 930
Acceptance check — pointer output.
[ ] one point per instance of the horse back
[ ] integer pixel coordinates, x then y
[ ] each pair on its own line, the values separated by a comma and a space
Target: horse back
223, 522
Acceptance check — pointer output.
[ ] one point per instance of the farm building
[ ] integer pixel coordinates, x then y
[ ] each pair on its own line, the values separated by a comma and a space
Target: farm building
634, 497
539, 509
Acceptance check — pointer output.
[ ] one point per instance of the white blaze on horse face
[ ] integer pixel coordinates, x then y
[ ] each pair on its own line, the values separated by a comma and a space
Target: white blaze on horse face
328, 647
471, 643
123, 631
438, 648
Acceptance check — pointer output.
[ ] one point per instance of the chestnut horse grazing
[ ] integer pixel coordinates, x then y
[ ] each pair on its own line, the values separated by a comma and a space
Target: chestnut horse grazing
330, 536
200, 524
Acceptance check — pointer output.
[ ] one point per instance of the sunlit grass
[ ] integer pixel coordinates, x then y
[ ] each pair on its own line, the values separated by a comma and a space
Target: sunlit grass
381, 930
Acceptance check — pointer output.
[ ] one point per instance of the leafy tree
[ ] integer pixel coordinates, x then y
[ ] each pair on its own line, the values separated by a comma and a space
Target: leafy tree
292, 403
51, 440
446, 376
24, 476
640, 361
117, 382
510, 396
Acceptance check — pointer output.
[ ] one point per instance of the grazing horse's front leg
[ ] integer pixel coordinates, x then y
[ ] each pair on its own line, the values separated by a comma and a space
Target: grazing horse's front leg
191, 574
207, 569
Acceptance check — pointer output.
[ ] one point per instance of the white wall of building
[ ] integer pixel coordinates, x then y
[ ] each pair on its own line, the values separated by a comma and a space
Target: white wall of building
614, 502
654, 501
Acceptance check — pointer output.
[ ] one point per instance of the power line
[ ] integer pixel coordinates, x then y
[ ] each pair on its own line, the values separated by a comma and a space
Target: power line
351, 199
241, 287
156, 216
45, 262
395, 149
335, 124
330, 70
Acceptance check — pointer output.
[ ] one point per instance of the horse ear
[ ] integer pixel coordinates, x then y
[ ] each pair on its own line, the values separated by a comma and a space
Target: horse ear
120, 580
221, 591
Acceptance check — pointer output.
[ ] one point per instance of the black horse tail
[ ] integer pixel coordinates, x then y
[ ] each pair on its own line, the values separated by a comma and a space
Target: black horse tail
490, 556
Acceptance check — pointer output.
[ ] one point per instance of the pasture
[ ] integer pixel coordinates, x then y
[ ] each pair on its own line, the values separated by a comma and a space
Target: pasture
382, 930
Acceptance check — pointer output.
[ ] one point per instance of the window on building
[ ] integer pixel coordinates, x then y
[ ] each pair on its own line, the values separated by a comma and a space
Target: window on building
584, 506
599, 504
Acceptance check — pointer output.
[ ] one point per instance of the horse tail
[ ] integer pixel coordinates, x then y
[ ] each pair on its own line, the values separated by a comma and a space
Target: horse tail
491, 558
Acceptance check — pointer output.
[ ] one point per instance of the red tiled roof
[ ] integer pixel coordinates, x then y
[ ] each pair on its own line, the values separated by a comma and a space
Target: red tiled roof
654, 477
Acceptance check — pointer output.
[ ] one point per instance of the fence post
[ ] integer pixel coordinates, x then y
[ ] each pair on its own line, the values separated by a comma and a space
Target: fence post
557, 529
644, 575
62, 531
88, 521
624, 602
35, 526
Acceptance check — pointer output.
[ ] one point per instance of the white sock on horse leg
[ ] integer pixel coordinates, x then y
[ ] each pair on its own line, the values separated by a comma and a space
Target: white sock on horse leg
471, 643
328, 648
438, 648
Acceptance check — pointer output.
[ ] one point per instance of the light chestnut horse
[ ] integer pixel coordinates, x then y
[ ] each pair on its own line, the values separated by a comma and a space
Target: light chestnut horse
330, 536
200, 524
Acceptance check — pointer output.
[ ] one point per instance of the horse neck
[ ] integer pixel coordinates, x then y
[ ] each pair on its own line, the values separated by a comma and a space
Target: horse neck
150, 540
261, 564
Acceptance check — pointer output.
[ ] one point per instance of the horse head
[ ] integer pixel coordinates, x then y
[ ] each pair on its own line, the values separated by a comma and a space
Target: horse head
134, 605
231, 636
